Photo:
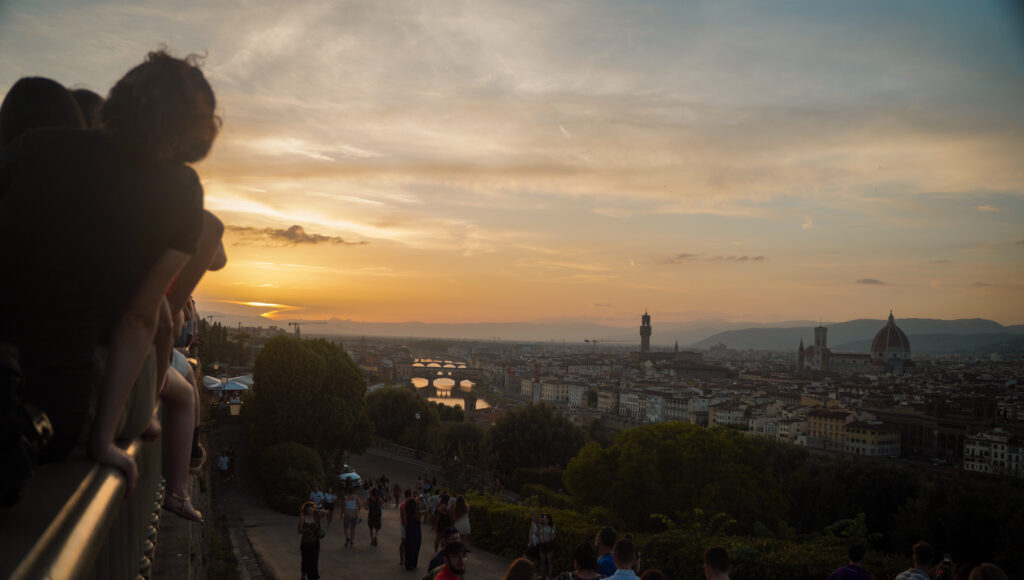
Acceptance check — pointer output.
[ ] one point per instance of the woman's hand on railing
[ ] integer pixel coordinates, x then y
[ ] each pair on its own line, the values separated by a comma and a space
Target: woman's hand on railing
114, 456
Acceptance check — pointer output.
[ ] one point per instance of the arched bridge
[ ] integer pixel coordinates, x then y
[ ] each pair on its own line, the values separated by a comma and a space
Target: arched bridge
433, 369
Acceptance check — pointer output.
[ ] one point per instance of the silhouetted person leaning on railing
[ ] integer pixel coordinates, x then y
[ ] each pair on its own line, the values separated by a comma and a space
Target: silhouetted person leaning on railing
94, 228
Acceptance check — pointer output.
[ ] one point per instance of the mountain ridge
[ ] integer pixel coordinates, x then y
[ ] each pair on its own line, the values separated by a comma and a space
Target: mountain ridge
700, 333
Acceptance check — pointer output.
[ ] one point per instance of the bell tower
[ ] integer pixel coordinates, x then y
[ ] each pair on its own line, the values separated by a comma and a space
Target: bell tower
645, 332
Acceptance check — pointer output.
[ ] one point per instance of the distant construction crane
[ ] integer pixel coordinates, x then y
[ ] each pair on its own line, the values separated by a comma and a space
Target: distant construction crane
299, 323
593, 342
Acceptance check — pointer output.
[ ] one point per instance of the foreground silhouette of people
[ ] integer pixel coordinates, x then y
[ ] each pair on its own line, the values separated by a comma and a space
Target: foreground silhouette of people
852, 571
455, 556
129, 213
37, 103
520, 569
624, 556
923, 556
987, 571
716, 564
604, 543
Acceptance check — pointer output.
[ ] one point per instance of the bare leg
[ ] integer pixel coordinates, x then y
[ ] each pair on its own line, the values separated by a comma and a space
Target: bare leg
179, 401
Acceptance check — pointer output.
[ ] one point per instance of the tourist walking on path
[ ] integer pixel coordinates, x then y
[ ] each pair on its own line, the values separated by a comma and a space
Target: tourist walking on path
374, 512
330, 499
311, 530
317, 497
542, 535
396, 490
461, 516
413, 534
350, 516
442, 519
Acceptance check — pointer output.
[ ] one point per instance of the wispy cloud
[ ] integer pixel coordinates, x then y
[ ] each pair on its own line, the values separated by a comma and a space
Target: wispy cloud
870, 281
681, 258
276, 237
737, 259
807, 224
556, 265
988, 208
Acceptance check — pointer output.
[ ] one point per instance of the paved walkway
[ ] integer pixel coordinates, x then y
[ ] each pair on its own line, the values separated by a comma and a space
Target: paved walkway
274, 536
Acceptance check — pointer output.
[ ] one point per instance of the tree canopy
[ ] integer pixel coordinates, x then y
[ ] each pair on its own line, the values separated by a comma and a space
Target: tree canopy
674, 468
393, 412
535, 435
310, 392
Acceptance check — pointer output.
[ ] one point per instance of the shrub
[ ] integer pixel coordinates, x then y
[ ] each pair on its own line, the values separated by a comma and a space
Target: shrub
544, 497
550, 477
289, 472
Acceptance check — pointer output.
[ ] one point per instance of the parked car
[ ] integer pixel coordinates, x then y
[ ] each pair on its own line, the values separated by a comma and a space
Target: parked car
349, 477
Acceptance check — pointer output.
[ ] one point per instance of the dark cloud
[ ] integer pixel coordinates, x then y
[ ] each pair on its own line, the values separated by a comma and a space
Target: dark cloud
870, 281
602, 305
939, 262
1020, 243
679, 258
276, 237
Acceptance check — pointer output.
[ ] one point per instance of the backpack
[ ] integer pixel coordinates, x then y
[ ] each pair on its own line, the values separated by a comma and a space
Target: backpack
24, 430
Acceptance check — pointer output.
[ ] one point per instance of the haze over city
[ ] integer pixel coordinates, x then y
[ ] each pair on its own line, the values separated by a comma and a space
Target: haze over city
502, 162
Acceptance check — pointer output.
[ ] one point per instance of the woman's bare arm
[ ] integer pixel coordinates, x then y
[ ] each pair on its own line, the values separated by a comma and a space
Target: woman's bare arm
209, 256
132, 336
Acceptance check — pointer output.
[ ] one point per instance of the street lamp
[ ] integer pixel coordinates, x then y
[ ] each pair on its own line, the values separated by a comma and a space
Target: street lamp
419, 434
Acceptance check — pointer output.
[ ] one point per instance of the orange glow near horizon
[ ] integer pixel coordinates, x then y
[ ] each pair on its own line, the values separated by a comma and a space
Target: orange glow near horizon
512, 163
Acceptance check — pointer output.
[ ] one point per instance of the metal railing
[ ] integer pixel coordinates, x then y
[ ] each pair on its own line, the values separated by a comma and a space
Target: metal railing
73, 520
98, 533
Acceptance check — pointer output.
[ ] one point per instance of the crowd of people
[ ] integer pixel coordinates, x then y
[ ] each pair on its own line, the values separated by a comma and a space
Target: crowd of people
445, 517
609, 556
103, 237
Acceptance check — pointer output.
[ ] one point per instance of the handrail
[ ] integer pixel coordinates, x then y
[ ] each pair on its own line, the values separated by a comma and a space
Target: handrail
98, 533
75, 535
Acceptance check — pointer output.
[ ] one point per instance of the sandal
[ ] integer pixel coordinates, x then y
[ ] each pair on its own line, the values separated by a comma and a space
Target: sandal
183, 507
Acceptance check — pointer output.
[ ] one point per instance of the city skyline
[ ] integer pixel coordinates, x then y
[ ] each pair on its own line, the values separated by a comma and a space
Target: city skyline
504, 162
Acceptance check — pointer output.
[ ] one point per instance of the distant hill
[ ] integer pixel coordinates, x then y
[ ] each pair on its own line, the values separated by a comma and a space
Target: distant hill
925, 334
1002, 343
851, 336
664, 336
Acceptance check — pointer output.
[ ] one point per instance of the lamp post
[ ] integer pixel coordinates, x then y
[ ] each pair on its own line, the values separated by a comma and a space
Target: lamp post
419, 434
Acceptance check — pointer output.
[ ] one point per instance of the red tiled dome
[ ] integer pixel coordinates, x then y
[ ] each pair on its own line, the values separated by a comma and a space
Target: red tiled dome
890, 339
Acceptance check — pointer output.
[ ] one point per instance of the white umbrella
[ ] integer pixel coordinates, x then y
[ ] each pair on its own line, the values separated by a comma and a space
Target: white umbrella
211, 383
243, 379
235, 386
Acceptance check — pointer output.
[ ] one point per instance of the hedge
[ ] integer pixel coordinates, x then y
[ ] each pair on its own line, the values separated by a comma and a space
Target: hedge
289, 472
503, 528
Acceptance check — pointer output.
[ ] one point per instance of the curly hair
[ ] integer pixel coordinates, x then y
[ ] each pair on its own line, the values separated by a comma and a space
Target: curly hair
164, 109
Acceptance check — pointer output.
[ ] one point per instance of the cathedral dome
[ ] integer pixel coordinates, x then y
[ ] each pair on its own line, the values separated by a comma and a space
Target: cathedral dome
890, 342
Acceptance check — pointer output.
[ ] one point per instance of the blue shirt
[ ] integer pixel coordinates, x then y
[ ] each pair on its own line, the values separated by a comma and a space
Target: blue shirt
606, 565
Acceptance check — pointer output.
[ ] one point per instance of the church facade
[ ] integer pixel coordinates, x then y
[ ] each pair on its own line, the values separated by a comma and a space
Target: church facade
890, 351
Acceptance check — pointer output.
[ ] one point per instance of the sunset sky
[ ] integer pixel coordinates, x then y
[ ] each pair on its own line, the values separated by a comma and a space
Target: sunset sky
468, 161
